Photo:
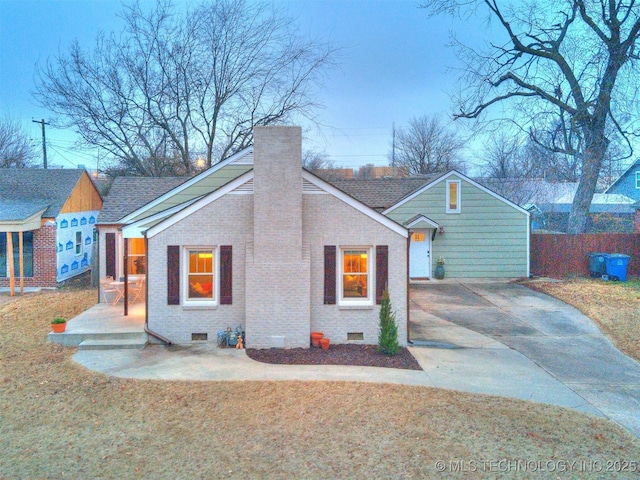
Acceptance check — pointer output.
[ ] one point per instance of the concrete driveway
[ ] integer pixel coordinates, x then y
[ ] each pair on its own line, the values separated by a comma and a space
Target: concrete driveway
499, 328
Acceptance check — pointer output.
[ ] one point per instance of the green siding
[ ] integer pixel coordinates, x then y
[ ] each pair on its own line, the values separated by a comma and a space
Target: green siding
204, 186
489, 238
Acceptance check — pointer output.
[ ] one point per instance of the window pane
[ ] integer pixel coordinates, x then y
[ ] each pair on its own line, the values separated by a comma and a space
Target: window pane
136, 246
354, 286
78, 243
27, 250
136, 260
136, 264
201, 274
200, 286
354, 273
453, 196
355, 261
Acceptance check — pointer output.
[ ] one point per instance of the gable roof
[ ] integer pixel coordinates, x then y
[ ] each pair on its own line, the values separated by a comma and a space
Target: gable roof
246, 179
26, 191
625, 174
444, 177
382, 193
130, 193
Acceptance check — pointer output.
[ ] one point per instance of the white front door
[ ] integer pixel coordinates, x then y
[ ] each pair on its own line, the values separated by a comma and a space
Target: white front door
420, 254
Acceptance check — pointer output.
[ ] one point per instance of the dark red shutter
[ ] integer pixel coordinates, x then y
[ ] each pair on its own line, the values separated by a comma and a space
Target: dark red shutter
110, 250
382, 271
226, 276
173, 275
329, 275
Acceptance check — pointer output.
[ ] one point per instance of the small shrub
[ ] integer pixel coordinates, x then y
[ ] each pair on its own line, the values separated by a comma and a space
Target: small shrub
388, 336
58, 320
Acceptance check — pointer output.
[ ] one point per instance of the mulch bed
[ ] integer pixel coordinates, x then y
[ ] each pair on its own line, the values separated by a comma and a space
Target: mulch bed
350, 354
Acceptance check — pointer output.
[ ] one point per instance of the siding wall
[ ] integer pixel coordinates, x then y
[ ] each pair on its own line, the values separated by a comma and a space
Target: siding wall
489, 238
627, 184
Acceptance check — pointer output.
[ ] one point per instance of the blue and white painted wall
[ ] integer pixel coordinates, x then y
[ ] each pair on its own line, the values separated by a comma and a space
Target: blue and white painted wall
75, 241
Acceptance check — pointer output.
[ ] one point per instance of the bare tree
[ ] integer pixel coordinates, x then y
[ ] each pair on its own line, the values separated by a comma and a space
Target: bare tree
172, 87
315, 161
565, 63
16, 149
427, 146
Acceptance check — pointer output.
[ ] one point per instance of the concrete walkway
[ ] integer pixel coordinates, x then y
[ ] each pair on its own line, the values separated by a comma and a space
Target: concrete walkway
565, 345
482, 337
464, 341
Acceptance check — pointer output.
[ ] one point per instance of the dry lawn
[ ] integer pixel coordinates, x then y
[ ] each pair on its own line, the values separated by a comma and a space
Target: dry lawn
58, 420
614, 306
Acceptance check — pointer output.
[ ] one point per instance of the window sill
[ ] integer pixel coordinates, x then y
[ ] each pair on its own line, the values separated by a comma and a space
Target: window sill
199, 307
356, 307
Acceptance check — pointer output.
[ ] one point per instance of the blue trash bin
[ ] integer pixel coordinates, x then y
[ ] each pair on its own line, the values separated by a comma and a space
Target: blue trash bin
617, 264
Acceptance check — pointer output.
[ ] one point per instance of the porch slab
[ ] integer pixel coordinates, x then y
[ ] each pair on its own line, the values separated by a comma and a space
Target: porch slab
102, 322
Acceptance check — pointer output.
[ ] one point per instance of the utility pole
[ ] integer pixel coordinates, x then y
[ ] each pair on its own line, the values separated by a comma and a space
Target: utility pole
393, 148
44, 141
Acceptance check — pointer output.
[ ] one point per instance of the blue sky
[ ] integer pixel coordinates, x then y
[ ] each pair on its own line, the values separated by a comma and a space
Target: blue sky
393, 66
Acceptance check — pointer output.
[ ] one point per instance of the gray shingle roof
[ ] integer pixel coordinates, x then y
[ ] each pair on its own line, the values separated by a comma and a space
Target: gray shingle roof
26, 191
130, 193
382, 193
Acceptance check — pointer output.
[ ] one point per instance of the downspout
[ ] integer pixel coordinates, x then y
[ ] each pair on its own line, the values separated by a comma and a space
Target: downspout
125, 242
408, 292
155, 335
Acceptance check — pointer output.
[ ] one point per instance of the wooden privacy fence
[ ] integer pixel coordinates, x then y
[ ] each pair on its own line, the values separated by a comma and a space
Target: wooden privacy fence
562, 255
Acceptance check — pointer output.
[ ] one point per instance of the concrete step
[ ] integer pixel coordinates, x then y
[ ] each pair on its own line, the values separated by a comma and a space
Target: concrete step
73, 339
112, 344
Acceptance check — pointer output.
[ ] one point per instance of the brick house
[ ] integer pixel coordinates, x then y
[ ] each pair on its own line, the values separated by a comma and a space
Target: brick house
257, 241
47, 222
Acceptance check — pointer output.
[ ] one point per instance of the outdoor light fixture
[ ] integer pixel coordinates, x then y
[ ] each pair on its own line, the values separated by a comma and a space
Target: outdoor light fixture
441, 229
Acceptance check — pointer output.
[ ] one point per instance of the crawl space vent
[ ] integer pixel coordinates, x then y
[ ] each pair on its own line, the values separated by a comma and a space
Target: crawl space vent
355, 336
199, 337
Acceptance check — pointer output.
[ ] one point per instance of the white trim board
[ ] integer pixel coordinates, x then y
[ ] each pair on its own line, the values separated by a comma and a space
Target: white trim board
463, 177
237, 158
421, 218
135, 229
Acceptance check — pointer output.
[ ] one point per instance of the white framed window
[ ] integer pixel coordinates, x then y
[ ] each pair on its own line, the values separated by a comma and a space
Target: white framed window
638, 180
78, 243
355, 276
453, 196
200, 280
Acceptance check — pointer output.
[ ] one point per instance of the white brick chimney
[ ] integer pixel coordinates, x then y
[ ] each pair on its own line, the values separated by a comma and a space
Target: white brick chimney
278, 267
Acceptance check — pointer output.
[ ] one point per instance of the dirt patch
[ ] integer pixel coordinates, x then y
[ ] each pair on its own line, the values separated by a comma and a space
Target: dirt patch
361, 355
60, 420
613, 306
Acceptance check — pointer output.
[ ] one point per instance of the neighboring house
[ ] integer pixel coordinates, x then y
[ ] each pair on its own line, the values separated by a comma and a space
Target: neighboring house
52, 214
476, 231
608, 213
258, 242
628, 184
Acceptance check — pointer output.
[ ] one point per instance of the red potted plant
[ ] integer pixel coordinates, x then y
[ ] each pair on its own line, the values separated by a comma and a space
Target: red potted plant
59, 325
